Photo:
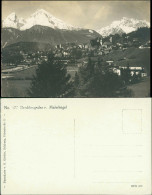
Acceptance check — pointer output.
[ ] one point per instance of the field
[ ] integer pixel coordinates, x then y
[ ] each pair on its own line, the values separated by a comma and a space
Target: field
21, 73
18, 86
141, 89
14, 88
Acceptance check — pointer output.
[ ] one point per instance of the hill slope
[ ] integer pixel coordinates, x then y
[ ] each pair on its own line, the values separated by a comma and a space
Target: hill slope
46, 35
132, 57
27, 46
142, 34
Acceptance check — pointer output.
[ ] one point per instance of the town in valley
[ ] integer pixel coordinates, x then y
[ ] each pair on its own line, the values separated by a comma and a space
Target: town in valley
121, 55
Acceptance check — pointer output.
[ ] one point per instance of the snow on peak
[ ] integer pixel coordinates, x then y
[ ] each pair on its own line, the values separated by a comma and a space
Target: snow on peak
40, 11
125, 25
21, 20
44, 18
13, 21
40, 17
12, 16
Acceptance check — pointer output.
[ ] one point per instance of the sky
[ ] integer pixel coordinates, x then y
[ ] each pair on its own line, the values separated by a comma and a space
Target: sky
86, 14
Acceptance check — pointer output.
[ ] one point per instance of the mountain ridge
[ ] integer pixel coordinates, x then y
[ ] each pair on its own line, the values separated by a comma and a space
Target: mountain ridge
44, 18
125, 25
45, 34
40, 17
41, 26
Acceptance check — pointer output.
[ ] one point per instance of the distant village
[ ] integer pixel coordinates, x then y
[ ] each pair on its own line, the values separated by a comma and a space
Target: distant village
77, 55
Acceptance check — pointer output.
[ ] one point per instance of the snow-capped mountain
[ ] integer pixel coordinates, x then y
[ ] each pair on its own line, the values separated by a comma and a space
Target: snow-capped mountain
125, 25
40, 17
13, 21
43, 18
41, 26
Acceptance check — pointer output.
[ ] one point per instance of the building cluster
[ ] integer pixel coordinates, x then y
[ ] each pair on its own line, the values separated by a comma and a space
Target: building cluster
33, 58
97, 47
133, 70
76, 54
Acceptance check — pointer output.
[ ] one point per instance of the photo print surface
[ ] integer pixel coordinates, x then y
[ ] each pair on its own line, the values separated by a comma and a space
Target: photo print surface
75, 49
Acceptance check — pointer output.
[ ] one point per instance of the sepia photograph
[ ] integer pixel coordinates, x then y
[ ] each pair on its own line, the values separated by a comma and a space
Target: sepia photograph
75, 97
75, 49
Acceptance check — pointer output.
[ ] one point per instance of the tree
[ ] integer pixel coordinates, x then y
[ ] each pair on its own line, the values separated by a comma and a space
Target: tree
125, 75
51, 80
82, 79
11, 57
94, 80
76, 53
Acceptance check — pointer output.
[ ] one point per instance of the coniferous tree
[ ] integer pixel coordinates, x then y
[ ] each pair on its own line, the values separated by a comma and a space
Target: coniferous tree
94, 81
83, 79
125, 75
51, 80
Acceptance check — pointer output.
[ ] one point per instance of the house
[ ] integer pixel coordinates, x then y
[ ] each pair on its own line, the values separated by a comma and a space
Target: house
86, 46
80, 46
141, 47
110, 63
117, 71
107, 44
100, 53
66, 54
44, 58
134, 69
110, 39
143, 74
106, 51
59, 55
119, 45
146, 45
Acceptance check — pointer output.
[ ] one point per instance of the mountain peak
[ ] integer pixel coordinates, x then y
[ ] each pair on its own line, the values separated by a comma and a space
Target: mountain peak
40, 17
11, 21
124, 18
125, 25
11, 16
40, 12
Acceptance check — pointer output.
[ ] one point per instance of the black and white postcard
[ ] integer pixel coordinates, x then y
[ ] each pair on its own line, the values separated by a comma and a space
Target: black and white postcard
76, 49
75, 103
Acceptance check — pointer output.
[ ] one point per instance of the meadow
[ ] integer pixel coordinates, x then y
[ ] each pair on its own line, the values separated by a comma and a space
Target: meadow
19, 85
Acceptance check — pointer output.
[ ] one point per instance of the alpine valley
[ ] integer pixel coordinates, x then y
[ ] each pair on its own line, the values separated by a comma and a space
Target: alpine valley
42, 27
113, 61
